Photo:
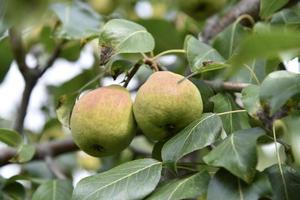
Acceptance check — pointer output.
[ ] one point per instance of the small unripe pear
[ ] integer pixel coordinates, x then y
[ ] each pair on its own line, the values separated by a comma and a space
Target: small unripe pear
165, 104
102, 121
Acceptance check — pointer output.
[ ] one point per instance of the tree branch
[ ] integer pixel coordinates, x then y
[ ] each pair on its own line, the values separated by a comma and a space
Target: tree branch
31, 76
41, 150
228, 86
217, 24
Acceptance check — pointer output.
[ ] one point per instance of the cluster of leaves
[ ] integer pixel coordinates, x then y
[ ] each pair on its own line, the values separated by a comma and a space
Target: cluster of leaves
216, 156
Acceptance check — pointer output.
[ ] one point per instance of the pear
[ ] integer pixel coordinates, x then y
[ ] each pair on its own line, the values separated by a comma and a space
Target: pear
102, 121
165, 104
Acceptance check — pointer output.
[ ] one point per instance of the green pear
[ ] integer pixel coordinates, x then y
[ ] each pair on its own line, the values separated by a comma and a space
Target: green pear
102, 121
165, 104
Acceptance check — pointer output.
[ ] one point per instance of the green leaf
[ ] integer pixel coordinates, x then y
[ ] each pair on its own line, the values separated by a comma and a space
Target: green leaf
122, 36
226, 186
231, 122
78, 19
121, 182
160, 29
186, 188
268, 7
284, 190
120, 66
251, 102
64, 108
13, 191
6, 58
237, 153
10, 137
291, 127
288, 17
24, 154
287, 85
228, 40
54, 190
266, 44
200, 54
197, 135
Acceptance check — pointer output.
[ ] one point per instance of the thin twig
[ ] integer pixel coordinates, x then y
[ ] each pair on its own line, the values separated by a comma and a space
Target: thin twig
53, 57
131, 74
54, 168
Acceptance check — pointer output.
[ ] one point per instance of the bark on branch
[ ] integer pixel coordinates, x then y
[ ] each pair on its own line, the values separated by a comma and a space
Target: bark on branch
217, 24
41, 150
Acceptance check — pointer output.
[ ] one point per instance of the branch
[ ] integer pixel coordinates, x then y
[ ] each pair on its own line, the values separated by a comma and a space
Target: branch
229, 86
131, 74
41, 150
217, 24
30, 76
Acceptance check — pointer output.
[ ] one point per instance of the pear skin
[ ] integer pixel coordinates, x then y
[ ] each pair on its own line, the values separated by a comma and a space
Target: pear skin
102, 121
163, 105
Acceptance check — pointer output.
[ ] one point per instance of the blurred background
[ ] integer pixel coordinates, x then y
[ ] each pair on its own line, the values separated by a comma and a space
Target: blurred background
169, 21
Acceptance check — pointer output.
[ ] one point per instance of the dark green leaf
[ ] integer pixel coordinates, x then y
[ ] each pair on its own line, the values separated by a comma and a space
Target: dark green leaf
161, 29
54, 190
200, 55
123, 36
266, 43
237, 153
78, 19
24, 154
13, 191
228, 40
251, 102
231, 122
10, 137
120, 66
121, 182
289, 189
5, 58
287, 85
187, 188
197, 135
226, 186
268, 7
206, 93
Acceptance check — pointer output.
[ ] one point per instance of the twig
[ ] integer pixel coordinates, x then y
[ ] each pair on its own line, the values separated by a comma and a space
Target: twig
229, 86
216, 24
53, 149
54, 168
131, 74
53, 57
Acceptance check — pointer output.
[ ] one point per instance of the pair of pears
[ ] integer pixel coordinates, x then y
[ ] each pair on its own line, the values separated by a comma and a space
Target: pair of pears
103, 121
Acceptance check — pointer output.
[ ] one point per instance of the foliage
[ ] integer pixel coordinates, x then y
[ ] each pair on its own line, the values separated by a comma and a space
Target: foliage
215, 156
